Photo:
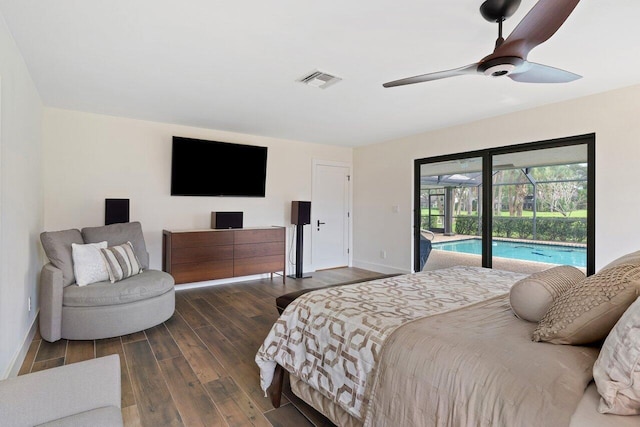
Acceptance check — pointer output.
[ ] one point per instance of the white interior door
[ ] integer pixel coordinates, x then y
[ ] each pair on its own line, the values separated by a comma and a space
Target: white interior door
330, 225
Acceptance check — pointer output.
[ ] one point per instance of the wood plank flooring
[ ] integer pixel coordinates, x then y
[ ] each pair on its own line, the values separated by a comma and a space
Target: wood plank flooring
197, 368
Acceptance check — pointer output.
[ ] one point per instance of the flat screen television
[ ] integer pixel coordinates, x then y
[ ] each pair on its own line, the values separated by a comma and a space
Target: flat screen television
213, 168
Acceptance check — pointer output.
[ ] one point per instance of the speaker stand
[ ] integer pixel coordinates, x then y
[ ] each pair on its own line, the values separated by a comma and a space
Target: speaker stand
299, 247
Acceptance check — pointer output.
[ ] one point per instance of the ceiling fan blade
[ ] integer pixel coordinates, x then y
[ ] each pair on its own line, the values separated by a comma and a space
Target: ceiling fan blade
469, 69
542, 21
538, 73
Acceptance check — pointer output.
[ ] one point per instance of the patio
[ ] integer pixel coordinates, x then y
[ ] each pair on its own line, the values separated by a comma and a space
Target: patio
442, 258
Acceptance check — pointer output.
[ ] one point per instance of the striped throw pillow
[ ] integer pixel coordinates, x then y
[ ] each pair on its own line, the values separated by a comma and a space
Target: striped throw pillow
121, 262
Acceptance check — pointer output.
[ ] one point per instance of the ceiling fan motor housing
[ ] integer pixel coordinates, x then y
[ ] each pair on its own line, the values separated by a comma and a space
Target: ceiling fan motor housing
498, 10
499, 67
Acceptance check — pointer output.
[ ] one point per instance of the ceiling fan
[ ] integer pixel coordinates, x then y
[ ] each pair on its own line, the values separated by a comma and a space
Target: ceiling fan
509, 57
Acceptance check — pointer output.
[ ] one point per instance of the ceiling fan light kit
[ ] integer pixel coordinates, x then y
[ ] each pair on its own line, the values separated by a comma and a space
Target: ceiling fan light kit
500, 66
509, 57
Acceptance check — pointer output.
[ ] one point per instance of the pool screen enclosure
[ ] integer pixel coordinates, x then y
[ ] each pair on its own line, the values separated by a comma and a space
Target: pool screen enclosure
538, 192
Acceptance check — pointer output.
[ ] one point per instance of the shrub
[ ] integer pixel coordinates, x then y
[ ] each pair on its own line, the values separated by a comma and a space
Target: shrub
551, 229
467, 225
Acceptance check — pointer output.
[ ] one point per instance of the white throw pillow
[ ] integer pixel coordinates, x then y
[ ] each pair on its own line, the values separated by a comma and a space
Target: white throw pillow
88, 263
617, 370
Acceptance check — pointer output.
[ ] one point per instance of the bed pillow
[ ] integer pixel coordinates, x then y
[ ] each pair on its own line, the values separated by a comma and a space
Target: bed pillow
617, 370
531, 297
631, 258
587, 311
88, 264
121, 262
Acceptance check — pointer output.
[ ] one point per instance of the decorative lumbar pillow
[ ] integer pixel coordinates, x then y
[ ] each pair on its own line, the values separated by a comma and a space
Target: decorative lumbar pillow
587, 311
88, 264
617, 370
121, 262
532, 296
57, 247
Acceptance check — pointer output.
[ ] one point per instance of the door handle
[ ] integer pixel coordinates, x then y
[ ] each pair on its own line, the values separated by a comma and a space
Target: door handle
319, 224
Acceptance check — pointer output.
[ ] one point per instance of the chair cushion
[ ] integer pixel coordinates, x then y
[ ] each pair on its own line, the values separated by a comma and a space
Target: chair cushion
148, 284
117, 234
57, 247
108, 416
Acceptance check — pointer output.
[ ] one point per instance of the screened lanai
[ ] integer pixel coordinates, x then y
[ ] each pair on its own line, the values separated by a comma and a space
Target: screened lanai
538, 199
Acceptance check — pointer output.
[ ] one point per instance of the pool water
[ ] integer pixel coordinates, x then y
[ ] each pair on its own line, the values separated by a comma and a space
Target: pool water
551, 254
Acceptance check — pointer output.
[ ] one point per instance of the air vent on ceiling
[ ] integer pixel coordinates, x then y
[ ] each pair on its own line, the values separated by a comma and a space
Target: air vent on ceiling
319, 79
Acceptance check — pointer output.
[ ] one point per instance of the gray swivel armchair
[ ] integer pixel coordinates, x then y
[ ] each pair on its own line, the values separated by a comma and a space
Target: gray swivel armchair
103, 309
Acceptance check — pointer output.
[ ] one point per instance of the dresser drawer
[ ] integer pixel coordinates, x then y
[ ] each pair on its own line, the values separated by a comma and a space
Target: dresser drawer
258, 250
257, 265
201, 238
259, 236
199, 271
201, 253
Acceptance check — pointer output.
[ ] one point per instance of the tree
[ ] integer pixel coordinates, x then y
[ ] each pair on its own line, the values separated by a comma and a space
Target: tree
464, 200
512, 188
559, 197
497, 194
561, 188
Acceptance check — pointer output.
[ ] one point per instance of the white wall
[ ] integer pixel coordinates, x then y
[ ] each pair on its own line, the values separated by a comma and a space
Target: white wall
21, 196
91, 157
383, 173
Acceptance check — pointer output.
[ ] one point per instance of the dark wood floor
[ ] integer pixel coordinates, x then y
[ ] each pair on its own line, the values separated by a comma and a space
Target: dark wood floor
197, 368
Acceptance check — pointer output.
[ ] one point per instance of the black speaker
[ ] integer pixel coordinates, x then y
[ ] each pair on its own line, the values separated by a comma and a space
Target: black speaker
222, 220
300, 212
116, 211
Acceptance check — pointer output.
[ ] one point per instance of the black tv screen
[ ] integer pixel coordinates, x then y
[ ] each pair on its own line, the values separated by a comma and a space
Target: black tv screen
213, 168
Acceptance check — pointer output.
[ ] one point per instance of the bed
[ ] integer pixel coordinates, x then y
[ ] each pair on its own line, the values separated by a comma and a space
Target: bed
436, 348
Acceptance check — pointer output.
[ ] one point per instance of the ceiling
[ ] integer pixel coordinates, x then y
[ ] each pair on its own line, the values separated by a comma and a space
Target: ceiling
233, 64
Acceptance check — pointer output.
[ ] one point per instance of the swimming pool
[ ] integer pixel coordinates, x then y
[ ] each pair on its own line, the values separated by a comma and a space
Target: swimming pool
552, 254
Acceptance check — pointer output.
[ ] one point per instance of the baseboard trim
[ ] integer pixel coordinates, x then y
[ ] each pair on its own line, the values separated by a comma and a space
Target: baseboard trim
16, 363
379, 267
277, 278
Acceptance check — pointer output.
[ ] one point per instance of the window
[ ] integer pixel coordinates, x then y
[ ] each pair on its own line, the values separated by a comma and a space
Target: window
523, 207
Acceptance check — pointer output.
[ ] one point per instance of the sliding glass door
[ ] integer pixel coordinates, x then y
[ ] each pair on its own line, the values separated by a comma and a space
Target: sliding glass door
450, 212
537, 199
540, 207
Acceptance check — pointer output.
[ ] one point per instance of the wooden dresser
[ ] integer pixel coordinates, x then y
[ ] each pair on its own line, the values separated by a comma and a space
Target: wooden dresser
197, 255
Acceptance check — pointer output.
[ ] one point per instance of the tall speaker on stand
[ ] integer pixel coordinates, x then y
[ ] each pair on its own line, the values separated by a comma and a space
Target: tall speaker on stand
300, 216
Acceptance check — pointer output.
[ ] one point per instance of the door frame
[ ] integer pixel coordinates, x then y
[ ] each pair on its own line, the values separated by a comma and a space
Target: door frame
314, 182
437, 230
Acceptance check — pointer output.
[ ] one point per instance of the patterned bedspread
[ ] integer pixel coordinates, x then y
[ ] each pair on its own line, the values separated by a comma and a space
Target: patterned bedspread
332, 338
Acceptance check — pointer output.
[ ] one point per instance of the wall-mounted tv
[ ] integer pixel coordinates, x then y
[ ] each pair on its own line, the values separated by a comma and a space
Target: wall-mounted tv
213, 168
